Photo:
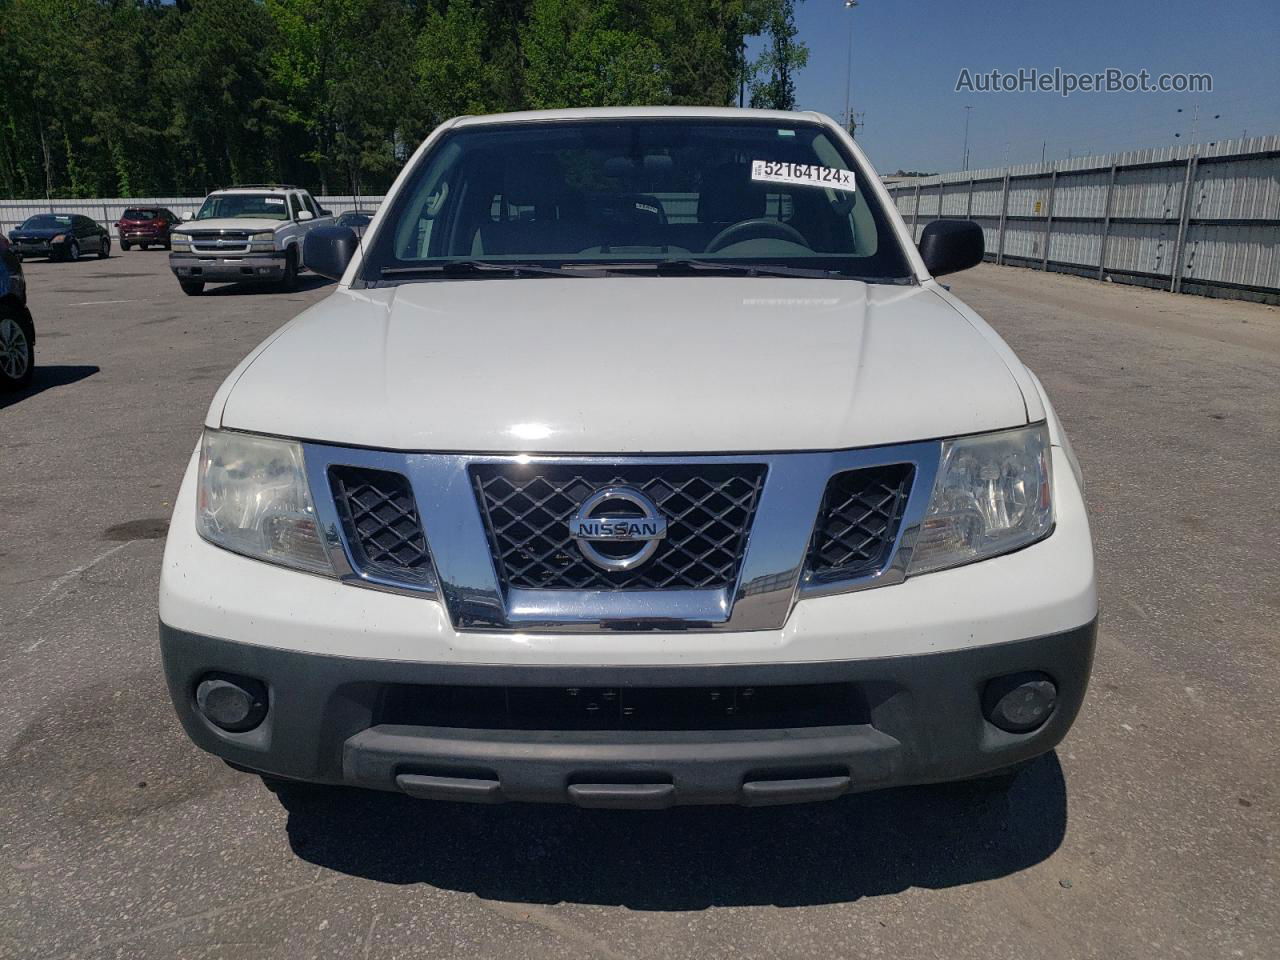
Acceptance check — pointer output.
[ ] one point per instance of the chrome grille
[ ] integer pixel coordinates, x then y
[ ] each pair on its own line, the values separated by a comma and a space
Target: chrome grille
380, 518
708, 507
858, 522
219, 241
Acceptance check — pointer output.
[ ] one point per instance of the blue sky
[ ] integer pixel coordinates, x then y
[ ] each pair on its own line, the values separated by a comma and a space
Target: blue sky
907, 56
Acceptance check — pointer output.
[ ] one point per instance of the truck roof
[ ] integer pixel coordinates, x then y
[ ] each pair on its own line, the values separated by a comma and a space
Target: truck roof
258, 188
630, 113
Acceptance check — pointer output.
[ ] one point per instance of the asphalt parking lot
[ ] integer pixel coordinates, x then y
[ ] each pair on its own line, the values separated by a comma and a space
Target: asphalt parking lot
1151, 833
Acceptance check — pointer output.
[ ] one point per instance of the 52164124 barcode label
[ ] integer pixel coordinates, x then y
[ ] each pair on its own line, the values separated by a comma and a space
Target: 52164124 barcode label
802, 174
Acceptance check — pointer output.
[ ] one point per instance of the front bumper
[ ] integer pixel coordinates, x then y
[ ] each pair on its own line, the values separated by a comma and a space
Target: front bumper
42, 248
919, 720
229, 269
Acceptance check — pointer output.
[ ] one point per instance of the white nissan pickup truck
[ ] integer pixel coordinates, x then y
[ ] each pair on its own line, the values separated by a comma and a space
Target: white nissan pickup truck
638, 458
251, 233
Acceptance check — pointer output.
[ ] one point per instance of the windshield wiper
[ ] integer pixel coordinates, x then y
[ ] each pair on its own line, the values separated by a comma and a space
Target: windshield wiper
690, 267
474, 268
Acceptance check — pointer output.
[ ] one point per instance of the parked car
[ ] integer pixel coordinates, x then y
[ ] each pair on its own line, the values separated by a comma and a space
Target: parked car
638, 459
248, 233
146, 227
60, 236
357, 220
17, 330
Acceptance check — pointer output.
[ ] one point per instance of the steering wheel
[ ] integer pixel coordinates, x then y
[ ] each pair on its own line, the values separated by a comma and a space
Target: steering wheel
757, 228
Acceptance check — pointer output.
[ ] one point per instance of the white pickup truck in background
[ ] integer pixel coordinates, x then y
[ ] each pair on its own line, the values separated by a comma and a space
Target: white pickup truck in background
245, 233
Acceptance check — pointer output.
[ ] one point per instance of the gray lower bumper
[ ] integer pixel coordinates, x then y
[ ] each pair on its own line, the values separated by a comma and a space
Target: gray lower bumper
248, 266
920, 721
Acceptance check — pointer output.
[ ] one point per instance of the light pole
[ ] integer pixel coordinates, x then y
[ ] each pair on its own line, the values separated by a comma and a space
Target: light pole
848, 70
967, 108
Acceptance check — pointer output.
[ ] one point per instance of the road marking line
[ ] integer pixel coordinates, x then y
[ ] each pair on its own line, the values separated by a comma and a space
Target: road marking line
98, 303
61, 582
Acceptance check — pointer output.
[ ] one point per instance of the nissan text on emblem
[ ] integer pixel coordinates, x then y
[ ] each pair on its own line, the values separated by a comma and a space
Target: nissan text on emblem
617, 516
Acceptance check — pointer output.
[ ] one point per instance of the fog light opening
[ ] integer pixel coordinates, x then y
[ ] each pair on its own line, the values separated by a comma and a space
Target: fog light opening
1020, 702
235, 704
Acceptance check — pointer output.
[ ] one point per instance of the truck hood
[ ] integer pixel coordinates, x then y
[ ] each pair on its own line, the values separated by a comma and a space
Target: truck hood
231, 223
626, 365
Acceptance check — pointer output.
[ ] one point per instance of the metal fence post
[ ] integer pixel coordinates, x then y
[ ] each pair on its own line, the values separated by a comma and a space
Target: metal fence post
1048, 223
968, 209
1106, 223
1188, 181
1004, 213
915, 212
942, 191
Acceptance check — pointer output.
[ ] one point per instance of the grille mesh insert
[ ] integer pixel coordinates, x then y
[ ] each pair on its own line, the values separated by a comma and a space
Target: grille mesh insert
859, 520
381, 520
708, 507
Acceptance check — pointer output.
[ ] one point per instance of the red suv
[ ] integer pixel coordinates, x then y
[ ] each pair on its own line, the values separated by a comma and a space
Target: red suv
146, 226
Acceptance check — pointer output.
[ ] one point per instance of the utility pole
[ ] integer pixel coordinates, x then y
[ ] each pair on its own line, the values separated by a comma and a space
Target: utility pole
848, 72
967, 108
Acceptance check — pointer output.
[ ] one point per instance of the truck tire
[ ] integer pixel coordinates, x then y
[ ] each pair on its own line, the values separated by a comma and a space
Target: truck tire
124, 245
17, 347
192, 288
289, 282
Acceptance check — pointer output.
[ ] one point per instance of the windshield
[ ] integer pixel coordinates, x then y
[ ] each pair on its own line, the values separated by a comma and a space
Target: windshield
47, 221
705, 193
259, 206
137, 213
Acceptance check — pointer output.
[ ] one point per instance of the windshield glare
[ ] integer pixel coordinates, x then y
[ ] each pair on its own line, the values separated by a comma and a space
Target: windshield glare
258, 206
639, 191
47, 221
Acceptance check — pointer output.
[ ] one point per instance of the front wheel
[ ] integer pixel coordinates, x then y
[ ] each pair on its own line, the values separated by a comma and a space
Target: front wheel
104, 248
17, 352
289, 282
124, 245
73, 251
192, 288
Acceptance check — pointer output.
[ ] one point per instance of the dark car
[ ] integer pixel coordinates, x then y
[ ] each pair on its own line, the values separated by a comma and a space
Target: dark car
17, 332
357, 220
146, 227
60, 236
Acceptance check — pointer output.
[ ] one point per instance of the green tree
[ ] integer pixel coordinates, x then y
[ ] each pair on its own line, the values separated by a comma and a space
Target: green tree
147, 97
579, 54
775, 87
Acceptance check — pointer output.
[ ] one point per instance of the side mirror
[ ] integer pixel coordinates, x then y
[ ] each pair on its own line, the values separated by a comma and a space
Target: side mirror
306, 215
948, 246
328, 250
187, 214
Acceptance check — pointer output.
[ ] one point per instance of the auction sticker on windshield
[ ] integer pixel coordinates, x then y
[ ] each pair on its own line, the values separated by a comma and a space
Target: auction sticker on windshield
802, 174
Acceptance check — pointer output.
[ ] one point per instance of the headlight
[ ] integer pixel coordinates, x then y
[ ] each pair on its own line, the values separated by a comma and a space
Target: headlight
992, 495
267, 237
59, 238
253, 499
179, 241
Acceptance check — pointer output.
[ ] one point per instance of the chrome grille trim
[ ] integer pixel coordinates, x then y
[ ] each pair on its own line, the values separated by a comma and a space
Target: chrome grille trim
219, 241
770, 578
858, 522
708, 508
